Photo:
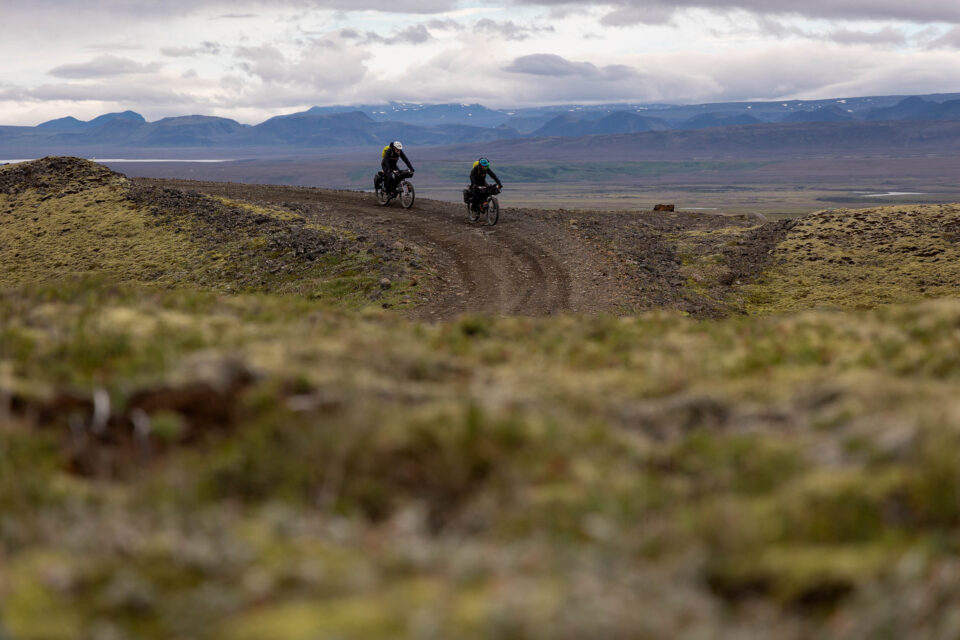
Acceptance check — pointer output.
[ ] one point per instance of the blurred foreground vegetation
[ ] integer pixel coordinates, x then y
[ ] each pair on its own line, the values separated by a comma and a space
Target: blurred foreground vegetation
354, 475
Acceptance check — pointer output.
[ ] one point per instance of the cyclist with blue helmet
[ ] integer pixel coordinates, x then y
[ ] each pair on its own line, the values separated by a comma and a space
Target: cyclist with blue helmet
478, 181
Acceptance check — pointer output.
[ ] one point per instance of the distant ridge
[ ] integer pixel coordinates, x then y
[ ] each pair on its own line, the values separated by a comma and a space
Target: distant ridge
618, 122
916, 108
806, 139
72, 124
822, 114
451, 124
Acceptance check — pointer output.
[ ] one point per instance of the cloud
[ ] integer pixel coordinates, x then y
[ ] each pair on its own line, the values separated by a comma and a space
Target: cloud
265, 62
130, 94
949, 40
322, 64
778, 71
102, 66
549, 64
652, 15
509, 30
227, 9
445, 24
111, 47
884, 37
11, 93
626, 12
205, 48
415, 34
423, 32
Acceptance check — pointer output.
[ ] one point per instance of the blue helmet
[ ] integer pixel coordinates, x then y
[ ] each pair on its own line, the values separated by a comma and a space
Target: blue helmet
484, 163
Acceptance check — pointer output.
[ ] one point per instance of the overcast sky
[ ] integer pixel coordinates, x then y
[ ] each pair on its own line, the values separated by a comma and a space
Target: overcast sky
251, 59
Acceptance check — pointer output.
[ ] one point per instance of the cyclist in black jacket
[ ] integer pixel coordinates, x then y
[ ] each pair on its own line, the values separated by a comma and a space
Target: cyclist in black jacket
392, 154
478, 181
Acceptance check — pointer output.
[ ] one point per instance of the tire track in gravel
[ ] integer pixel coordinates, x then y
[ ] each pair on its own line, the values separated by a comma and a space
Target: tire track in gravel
554, 287
526, 265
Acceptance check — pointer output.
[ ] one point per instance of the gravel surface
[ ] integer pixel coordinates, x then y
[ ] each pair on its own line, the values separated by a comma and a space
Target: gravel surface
532, 262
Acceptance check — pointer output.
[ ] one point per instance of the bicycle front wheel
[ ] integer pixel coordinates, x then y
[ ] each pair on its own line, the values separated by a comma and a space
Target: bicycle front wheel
407, 195
493, 211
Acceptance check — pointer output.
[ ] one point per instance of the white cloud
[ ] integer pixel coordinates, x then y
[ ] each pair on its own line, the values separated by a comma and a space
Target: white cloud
204, 48
623, 12
113, 47
883, 37
101, 66
148, 93
949, 40
548, 64
510, 30
414, 34
322, 65
628, 15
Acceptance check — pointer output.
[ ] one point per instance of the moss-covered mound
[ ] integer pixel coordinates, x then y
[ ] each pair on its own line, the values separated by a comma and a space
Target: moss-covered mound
54, 176
863, 258
67, 217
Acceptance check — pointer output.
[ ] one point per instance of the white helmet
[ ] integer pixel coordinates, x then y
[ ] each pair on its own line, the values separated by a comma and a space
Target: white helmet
398, 145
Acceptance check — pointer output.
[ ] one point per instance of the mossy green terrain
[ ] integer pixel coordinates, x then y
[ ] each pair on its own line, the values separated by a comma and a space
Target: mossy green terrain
177, 461
65, 217
863, 258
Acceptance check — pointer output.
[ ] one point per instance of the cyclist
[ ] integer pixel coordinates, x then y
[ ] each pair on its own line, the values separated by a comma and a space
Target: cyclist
392, 154
478, 182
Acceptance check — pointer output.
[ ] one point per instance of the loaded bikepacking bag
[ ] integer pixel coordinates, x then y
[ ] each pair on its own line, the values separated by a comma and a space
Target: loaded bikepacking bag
466, 196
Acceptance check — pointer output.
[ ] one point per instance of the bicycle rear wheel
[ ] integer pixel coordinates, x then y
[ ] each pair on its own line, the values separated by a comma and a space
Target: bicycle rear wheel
407, 195
493, 211
382, 197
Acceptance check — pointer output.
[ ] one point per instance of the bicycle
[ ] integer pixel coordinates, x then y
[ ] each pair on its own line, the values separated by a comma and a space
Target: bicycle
403, 190
489, 209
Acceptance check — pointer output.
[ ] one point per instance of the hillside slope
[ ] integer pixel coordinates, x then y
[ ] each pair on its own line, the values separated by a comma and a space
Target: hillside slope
66, 217
863, 258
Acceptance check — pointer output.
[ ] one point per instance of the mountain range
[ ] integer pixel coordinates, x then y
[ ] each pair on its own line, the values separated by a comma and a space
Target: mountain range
437, 125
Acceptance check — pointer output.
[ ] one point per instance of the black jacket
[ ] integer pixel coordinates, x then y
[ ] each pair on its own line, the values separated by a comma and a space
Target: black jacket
478, 176
390, 159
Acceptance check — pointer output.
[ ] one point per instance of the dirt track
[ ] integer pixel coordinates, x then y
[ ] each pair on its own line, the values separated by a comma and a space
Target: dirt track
521, 266
531, 263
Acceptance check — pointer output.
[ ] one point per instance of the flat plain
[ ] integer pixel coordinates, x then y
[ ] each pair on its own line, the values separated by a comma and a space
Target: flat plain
775, 186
